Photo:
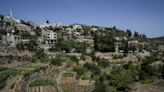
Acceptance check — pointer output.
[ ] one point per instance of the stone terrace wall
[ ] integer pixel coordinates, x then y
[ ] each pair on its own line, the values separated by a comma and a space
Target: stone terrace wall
22, 84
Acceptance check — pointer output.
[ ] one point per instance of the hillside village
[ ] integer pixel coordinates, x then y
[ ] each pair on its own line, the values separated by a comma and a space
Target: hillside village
53, 57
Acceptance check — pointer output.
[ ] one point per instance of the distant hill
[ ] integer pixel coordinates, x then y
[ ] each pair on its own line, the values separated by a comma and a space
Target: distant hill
158, 38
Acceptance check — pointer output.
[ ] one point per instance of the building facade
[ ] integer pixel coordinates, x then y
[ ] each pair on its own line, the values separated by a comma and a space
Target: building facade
49, 38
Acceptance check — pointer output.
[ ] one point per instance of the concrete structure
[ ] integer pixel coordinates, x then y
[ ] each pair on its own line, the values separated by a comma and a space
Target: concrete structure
76, 34
77, 26
49, 38
133, 42
11, 40
88, 40
94, 29
44, 25
120, 38
23, 27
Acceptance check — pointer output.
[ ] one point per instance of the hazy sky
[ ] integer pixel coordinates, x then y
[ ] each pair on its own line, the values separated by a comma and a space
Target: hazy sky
145, 16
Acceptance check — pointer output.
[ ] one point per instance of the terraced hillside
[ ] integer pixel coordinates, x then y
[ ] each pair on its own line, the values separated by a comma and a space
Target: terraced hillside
42, 89
67, 82
60, 81
44, 83
14, 79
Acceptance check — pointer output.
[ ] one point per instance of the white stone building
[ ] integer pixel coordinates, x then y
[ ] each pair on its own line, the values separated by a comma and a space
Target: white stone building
49, 38
44, 25
77, 26
120, 38
11, 40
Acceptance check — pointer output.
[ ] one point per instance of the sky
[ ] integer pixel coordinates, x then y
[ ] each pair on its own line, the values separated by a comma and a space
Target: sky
144, 16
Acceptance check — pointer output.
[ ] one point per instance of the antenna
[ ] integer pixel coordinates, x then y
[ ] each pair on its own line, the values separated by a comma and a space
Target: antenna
11, 13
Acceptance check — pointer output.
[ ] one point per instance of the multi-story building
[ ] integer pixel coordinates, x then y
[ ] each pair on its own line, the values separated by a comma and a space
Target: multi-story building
49, 38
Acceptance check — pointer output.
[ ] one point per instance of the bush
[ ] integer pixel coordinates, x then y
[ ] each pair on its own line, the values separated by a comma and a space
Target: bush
103, 63
2, 85
99, 87
121, 77
93, 68
34, 59
93, 56
74, 59
40, 53
57, 61
117, 56
79, 71
3, 68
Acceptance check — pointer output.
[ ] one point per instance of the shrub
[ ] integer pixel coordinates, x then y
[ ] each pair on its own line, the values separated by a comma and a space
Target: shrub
79, 71
93, 68
74, 59
57, 61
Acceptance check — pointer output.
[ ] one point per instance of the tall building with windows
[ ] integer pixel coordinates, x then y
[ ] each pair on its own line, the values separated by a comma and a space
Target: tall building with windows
49, 38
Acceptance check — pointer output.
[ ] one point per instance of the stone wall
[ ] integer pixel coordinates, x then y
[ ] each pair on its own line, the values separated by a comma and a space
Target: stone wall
6, 59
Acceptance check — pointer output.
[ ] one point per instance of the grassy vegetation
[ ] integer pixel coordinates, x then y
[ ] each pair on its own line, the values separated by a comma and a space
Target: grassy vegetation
2, 68
66, 90
68, 74
41, 83
2, 84
6, 73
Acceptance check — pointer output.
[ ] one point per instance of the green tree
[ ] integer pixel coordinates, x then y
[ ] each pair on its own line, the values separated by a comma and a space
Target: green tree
163, 69
40, 53
129, 33
93, 68
63, 45
104, 42
74, 59
20, 46
92, 55
136, 34
38, 31
126, 48
31, 45
84, 48
47, 22
2, 17
34, 59
96, 41
99, 87
25, 35
103, 63
121, 77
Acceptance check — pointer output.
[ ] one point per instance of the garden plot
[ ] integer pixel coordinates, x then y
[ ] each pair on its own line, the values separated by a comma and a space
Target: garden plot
67, 82
42, 89
44, 83
7, 76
